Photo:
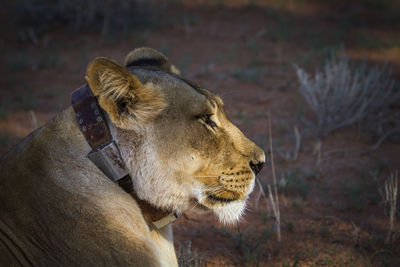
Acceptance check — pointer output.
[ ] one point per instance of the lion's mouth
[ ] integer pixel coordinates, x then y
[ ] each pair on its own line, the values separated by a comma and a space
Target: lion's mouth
219, 199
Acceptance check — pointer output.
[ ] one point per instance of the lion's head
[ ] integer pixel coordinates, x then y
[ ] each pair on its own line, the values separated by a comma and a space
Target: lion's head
175, 138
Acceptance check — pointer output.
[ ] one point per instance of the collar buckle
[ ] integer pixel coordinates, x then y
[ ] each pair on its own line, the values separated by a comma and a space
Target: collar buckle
108, 159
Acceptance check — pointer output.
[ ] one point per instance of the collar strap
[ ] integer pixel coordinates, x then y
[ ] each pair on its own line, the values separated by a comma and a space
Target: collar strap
105, 153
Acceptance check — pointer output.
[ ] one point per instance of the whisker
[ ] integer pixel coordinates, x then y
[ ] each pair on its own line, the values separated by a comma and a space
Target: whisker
216, 190
195, 205
211, 176
212, 186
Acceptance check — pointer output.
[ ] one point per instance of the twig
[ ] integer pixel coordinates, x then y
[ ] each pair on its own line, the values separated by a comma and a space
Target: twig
298, 142
391, 186
379, 142
262, 192
276, 213
318, 151
33, 120
275, 202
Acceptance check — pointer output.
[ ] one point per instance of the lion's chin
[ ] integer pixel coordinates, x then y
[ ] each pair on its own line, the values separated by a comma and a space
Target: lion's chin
230, 213
227, 212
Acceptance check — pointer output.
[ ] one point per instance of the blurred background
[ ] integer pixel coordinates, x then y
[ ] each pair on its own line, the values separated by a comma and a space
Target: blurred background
323, 73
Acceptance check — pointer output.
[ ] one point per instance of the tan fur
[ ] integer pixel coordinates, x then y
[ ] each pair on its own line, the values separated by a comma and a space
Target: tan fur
57, 208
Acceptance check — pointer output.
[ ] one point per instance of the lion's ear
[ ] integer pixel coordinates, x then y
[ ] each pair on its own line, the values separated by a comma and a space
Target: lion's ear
149, 57
127, 101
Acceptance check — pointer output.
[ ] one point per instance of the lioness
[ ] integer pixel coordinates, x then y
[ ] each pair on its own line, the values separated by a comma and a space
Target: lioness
175, 142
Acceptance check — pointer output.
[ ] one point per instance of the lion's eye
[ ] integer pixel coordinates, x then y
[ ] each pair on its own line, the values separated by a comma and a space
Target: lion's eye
207, 119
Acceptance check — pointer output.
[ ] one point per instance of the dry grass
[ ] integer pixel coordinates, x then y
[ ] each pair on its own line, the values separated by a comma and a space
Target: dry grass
391, 187
272, 194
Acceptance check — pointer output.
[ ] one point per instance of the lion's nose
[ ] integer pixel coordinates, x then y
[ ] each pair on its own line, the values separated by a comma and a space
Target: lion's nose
256, 166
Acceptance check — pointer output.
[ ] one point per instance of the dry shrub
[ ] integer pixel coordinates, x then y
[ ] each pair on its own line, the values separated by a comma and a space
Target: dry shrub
347, 94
